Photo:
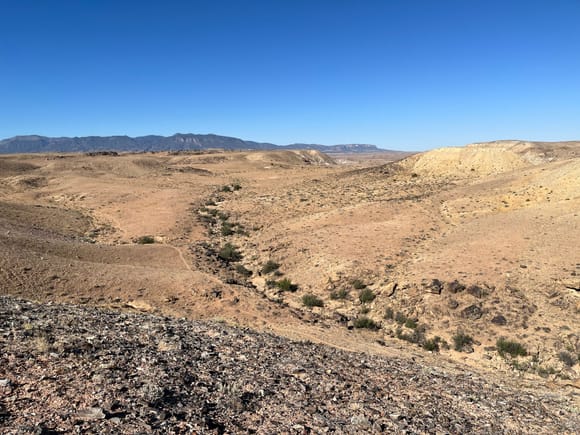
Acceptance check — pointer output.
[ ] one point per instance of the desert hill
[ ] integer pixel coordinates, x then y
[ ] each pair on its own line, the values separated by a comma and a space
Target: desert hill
490, 158
422, 258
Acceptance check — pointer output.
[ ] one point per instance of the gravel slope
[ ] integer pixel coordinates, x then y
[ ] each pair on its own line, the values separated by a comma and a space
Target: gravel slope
67, 368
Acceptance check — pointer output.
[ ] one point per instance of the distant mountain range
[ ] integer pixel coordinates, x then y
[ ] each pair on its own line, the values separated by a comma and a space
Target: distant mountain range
41, 144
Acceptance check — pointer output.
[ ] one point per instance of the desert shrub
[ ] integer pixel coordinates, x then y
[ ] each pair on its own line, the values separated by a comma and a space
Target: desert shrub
389, 313
241, 230
364, 322
365, 310
227, 229
145, 240
225, 188
417, 336
461, 340
312, 301
339, 294
243, 271
567, 358
367, 295
358, 284
512, 348
229, 252
236, 186
222, 215
432, 344
411, 323
544, 372
400, 318
286, 285
270, 267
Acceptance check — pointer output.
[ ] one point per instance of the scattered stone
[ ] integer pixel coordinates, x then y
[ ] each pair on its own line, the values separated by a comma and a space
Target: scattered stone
221, 379
472, 312
90, 414
499, 320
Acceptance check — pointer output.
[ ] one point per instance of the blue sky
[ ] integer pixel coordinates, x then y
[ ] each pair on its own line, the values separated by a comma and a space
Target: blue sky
398, 74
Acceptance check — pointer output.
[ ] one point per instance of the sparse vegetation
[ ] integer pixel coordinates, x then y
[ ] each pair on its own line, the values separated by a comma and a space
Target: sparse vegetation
312, 301
339, 294
227, 229
358, 284
567, 358
400, 318
461, 340
229, 253
510, 347
286, 285
432, 344
389, 313
270, 267
367, 295
411, 323
364, 322
145, 240
417, 336
544, 372
243, 271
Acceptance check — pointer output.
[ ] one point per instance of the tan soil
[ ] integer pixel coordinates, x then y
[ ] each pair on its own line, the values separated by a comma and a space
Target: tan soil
502, 216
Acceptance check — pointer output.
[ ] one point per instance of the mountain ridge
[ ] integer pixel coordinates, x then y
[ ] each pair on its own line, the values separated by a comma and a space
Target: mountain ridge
178, 141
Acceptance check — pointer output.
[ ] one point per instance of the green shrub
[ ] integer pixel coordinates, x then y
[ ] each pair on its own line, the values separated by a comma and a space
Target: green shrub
364, 322
358, 284
417, 336
367, 295
243, 271
145, 240
227, 229
389, 313
286, 285
510, 347
339, 294
432, 344
229, 252
460, 340
410, 323
312, 301
270, 267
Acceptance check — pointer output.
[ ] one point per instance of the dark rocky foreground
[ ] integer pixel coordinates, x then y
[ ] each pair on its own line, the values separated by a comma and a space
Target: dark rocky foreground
84, 370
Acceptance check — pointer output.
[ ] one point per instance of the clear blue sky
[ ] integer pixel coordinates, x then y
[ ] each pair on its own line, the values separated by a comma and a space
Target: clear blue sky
399, 74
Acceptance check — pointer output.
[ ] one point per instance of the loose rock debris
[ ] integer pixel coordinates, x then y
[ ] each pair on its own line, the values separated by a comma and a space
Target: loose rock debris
66, 368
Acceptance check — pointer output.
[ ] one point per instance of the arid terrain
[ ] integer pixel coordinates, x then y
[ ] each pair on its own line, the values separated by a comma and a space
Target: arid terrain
463, 261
